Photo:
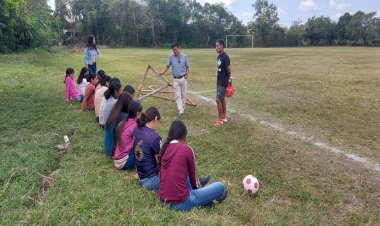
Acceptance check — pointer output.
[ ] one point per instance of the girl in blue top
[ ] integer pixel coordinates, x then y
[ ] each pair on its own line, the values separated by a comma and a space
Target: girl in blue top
91, 54
146, 146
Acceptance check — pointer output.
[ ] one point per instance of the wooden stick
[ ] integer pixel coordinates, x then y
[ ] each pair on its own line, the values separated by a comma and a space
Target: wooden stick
150, 91
153, 92
163, 78
142, 82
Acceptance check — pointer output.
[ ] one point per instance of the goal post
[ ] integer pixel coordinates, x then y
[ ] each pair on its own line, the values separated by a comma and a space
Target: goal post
239, 36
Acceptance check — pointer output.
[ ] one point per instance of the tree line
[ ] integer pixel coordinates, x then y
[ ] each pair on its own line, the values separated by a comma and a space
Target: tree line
157, 23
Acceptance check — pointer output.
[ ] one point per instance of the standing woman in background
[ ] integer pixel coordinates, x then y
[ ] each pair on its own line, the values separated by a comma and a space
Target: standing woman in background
91, 54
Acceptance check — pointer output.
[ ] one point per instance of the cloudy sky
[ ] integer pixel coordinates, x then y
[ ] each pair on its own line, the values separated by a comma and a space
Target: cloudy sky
294, 10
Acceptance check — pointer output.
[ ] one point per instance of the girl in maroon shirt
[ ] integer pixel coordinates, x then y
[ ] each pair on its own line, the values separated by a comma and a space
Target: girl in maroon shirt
88, 100
178, 184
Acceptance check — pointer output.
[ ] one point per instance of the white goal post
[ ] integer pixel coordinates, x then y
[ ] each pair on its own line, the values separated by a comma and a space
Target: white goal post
239, 36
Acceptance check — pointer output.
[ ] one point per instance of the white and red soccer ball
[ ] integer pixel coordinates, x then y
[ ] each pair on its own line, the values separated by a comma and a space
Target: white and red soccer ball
250, 184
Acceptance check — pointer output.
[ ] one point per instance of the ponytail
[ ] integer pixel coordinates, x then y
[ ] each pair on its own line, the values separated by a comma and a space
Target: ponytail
118, 135
163, 149
149, 115
141, 121
113, 88
177, 131
107, 94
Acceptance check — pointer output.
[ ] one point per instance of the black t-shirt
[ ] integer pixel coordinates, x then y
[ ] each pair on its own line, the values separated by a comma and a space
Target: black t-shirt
223, 61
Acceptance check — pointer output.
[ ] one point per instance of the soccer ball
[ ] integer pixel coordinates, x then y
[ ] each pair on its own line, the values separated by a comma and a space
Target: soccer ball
250, 184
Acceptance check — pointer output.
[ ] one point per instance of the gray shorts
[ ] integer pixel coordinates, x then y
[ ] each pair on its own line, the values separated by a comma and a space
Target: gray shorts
220, 92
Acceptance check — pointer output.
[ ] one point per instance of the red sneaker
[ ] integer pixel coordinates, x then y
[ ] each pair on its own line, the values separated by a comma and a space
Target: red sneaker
218, 122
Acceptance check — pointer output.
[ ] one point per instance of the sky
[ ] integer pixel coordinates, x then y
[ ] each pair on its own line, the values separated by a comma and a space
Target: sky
297, 10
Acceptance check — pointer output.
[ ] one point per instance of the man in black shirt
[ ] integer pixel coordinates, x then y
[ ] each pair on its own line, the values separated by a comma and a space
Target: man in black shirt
223, 76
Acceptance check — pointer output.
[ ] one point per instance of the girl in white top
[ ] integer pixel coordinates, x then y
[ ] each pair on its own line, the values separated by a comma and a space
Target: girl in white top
82, 80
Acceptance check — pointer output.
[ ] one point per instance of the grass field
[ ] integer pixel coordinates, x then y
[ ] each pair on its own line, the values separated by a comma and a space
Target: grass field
330, 95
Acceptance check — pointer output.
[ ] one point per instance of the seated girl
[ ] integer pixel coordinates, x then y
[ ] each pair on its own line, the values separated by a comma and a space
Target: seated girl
118, 113
82, 81
123, 156
71, 91
146, 146
110, 98
88, 100
178, 185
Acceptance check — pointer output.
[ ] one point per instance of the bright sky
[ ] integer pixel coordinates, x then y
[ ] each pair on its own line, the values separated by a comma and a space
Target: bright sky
293, 10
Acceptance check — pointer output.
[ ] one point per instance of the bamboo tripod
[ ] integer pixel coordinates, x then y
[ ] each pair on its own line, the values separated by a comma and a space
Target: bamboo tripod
167, 87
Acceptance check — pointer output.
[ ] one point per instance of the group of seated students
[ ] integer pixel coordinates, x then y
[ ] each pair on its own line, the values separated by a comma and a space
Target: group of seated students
132, 140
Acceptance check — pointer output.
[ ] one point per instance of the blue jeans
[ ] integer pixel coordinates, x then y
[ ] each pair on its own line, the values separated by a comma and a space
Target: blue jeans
130, 164
92, 68
200, 197
80, 98
151, 183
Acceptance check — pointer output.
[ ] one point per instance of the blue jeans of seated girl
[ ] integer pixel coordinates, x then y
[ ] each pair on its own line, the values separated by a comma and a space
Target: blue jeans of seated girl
200, 197
151, 183
130, 164
80, 98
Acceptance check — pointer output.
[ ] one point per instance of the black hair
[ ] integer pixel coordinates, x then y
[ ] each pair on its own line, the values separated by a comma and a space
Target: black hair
82, 75
90, 77
129, 89
90, 43
69, 71
103, 81
113, 88
101, 74
133, 109
175, 44
221, 42
120, 106
177, 131
149, 115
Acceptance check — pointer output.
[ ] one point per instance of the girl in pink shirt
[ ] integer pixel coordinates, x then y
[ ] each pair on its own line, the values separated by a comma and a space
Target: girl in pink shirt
71, 91
123, 155
88, 100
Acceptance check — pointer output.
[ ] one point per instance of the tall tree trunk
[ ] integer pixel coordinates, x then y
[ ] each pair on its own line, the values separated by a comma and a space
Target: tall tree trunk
137, 29
153, 36
97, 32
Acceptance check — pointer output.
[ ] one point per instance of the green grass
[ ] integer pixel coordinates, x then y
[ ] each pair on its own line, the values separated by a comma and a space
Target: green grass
329, 93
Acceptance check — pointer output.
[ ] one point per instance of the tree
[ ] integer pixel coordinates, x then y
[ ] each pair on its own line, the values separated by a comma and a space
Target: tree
293, 36
25, 24
360, 26
276, 36
320, 30
266, 18
341, 27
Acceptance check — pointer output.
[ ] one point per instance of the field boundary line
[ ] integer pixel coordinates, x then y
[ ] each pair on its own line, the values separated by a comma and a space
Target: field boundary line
368, 163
